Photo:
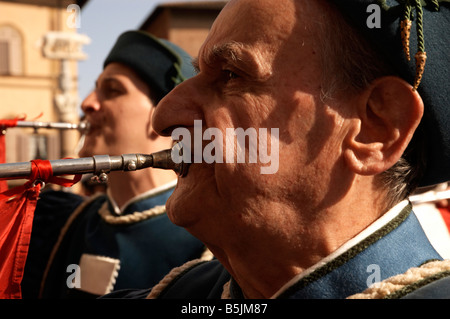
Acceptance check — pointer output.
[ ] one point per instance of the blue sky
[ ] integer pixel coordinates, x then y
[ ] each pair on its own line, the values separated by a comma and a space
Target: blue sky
103, 21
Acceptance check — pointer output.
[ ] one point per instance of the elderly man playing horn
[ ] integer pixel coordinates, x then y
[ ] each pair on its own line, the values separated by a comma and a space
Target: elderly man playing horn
360, 127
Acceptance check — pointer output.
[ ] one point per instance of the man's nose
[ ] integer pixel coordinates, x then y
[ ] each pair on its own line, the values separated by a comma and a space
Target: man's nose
90, 103
179, 108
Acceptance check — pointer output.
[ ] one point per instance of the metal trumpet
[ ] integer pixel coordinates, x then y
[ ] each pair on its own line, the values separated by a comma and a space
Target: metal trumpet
99, 165
82, 126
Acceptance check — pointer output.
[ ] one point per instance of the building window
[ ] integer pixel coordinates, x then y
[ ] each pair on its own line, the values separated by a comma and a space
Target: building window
10, 51
4, 57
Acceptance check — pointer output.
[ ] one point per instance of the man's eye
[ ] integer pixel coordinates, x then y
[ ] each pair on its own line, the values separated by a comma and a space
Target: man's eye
229, 75
110, 91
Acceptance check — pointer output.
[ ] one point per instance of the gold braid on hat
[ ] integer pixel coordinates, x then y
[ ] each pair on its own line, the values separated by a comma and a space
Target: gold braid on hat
407, 7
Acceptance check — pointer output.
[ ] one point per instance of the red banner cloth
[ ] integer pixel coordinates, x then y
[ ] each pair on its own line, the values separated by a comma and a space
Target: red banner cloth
16, 219
3, 184
17, 207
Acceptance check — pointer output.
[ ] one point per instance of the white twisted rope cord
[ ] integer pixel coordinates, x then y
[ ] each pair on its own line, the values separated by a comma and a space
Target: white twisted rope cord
157, 289
376, 291
395, 283
129, 218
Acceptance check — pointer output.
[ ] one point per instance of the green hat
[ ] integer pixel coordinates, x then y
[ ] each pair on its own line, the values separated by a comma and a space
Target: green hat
160, 63
429, 38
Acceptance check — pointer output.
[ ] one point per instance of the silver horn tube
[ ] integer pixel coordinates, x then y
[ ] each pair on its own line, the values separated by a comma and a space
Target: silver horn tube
82, 126
98, 164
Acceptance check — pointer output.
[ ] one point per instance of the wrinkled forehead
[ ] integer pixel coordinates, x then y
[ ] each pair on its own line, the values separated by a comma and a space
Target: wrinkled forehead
263, 26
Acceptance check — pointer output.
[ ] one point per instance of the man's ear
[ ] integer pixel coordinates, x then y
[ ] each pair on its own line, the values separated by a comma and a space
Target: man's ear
388, 113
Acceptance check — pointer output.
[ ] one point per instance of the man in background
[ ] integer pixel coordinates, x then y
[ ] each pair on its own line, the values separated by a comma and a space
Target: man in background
123, 238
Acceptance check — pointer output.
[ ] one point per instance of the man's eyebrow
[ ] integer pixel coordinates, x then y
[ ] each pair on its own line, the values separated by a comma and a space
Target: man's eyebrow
236, 53
106, 80
230, 51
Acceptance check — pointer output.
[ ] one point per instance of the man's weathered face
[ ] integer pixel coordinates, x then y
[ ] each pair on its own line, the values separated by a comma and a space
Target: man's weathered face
258, 68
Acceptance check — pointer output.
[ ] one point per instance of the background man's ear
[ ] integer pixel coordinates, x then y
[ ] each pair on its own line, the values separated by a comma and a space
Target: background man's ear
388, 113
